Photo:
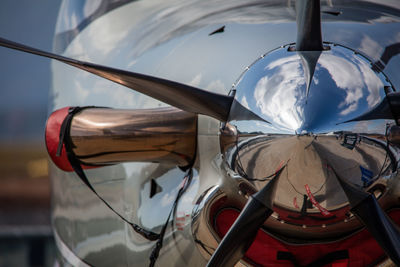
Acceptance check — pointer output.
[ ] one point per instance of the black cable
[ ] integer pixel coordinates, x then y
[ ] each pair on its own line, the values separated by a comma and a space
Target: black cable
156, 250
77, 167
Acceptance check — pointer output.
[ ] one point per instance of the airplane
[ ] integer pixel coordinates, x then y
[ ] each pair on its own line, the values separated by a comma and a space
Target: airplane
256, 133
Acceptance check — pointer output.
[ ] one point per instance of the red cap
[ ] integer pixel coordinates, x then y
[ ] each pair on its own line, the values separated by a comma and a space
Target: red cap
53, 127
52, 135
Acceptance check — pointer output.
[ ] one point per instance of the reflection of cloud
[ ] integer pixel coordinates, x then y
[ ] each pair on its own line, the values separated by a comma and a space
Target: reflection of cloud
90, 7
373, 83
371, 47
168, 199
78, 50
244, 102
278, 93
343, 74
80, 91
353, 76
101, 39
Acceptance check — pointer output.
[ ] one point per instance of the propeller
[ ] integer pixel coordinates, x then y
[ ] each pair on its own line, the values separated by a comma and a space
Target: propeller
380, 226
179, 95
259, 207
244, 230
308, 19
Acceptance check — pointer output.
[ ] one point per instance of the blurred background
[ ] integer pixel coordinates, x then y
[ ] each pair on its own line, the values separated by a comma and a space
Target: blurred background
25, 232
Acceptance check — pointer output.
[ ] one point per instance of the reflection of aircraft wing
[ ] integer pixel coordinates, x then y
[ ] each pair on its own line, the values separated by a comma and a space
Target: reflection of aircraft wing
295, 91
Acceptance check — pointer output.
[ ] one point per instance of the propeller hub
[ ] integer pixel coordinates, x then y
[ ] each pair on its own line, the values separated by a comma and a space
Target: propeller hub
301, 109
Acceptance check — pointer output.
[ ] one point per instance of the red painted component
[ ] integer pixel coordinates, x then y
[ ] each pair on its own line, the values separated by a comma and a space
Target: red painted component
363, 249
313, 219
323, 211
52, 136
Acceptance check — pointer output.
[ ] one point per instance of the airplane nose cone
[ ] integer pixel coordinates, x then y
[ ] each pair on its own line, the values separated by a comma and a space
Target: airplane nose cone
304, 107
309, 91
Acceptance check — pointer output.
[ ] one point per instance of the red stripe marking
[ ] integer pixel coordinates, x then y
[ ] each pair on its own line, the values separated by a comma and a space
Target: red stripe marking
295, 203
323, 211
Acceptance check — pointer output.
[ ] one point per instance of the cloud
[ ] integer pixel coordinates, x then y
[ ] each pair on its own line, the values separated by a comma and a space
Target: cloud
277, 94
371, 47
168, 199
244, 102
355, 77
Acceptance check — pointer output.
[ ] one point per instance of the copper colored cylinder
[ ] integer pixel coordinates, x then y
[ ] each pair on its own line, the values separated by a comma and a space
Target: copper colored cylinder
102, 136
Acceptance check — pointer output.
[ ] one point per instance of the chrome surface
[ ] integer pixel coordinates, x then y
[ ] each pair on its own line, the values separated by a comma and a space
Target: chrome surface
170, 39
305, 121
68, 255
102, 136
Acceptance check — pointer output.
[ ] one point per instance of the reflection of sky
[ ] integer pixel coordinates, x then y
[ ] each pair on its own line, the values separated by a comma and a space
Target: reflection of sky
282, 103
193, 58
74, 12
170, 40
170, 183
343, 87
252, 126
353, 76
151, 217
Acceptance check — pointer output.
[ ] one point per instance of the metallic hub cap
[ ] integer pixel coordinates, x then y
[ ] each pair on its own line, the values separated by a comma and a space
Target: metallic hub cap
299, 110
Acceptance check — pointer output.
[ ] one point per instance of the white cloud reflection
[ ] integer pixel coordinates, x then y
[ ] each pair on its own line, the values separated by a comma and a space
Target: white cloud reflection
371, 47
281, 93
277, 95
355, 77
245, 103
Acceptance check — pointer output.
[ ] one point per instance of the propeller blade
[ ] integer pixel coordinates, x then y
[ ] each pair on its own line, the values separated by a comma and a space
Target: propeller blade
309, 61
308, 18
380, 226
179, 95
244, 230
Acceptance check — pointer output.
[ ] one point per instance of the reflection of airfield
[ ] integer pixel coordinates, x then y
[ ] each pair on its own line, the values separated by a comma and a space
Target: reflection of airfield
310, 161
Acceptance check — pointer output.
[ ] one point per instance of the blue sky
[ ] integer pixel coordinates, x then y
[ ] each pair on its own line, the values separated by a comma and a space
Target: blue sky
25, 79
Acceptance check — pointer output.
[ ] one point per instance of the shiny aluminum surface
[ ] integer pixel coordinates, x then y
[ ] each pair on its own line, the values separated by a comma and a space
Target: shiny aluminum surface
305, 106
170, 39
103, 136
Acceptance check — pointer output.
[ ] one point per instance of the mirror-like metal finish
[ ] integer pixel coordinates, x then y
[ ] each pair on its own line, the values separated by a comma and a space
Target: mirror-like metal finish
108, 136
307, 125
177, 46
